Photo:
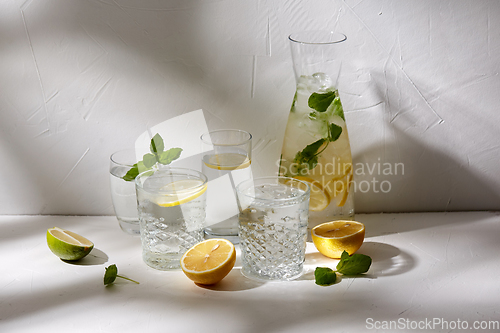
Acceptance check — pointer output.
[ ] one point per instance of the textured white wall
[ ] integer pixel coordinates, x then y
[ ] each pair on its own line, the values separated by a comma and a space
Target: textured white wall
81, 79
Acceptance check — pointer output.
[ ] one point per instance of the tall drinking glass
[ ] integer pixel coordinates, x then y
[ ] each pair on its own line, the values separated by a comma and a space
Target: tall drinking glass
171, 205
226, 162
123, 192
273, 227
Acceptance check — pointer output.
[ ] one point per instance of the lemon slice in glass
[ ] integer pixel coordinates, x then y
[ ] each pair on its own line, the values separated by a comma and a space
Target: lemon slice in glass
227, 161
333, 238
181, 191
208, 262
68, 245
319, 198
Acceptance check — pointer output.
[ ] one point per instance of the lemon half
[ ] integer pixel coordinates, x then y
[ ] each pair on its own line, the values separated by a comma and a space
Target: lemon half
68, 245
208, 262
333, 238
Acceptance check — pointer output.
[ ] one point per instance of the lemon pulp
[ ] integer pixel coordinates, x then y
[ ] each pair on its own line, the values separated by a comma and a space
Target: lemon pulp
181, 191
333, 238
68, 245
227, 161
209, 261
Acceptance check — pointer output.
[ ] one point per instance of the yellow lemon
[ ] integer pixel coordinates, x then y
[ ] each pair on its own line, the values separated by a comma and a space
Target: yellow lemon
333, 238
228, 161
67, 245
319, 198
209, 261
181, 191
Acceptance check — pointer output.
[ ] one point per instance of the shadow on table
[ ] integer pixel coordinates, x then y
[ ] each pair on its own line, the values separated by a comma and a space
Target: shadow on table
387, 260
95, 257
234, 281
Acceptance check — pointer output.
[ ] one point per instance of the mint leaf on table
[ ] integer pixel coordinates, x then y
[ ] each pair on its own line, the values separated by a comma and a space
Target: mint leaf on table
324, 276
353, 265
111, 274
157, 156
321, 101
348, 265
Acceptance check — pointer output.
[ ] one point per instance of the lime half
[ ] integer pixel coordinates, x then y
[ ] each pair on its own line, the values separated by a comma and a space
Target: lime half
67, 245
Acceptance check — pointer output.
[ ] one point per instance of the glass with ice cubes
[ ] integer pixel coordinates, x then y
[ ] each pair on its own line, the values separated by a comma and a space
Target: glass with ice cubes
273, 223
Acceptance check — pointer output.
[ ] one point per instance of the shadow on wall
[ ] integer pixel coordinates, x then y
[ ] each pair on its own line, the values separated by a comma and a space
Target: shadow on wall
86, 65
408, 169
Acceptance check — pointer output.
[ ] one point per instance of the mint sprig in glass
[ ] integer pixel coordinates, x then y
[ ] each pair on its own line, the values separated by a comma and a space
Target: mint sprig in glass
158, 155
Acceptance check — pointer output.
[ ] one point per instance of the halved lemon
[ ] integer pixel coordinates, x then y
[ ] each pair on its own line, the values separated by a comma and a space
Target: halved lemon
181, 191
68, 245
208, 262
228, 161
319, 198
333, 238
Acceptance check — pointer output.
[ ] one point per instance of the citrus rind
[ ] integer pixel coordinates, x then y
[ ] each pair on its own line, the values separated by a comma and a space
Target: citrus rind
180, 192
209, 261
333, 238
68, 245
319, 198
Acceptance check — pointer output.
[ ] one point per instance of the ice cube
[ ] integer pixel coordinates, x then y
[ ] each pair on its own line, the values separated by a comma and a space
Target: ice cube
319, 82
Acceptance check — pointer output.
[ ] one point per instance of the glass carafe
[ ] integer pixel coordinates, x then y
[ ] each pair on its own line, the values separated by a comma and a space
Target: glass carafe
316, 146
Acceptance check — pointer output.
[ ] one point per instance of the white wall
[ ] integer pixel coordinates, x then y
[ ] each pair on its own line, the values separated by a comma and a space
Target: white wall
80, 79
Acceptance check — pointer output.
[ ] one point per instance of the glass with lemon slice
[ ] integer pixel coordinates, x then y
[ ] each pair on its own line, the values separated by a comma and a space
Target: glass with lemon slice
226, 161
171, 205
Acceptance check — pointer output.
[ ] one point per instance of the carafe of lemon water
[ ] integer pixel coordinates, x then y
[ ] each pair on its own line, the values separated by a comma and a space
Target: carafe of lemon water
316, 146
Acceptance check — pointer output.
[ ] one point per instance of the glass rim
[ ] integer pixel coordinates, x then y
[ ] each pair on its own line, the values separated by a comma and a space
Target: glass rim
175, 171
113, 159
272, 181
243, 141
300, 37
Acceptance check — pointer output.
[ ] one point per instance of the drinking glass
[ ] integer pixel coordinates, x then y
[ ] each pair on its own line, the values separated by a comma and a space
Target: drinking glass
123, 192
226, 161
171, 206
273, 227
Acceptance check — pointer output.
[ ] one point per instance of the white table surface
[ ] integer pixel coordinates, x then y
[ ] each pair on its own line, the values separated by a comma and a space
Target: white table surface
427, 268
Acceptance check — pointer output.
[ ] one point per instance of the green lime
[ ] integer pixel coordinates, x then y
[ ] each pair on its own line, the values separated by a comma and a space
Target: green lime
67, 245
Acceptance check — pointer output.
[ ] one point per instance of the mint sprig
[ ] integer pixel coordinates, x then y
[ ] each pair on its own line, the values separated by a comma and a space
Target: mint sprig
157, 156
325, 276
111, 274
307, 158
355, 264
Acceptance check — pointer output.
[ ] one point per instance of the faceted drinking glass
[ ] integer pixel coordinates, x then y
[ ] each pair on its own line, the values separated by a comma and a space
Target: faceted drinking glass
273, 227
171, 206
